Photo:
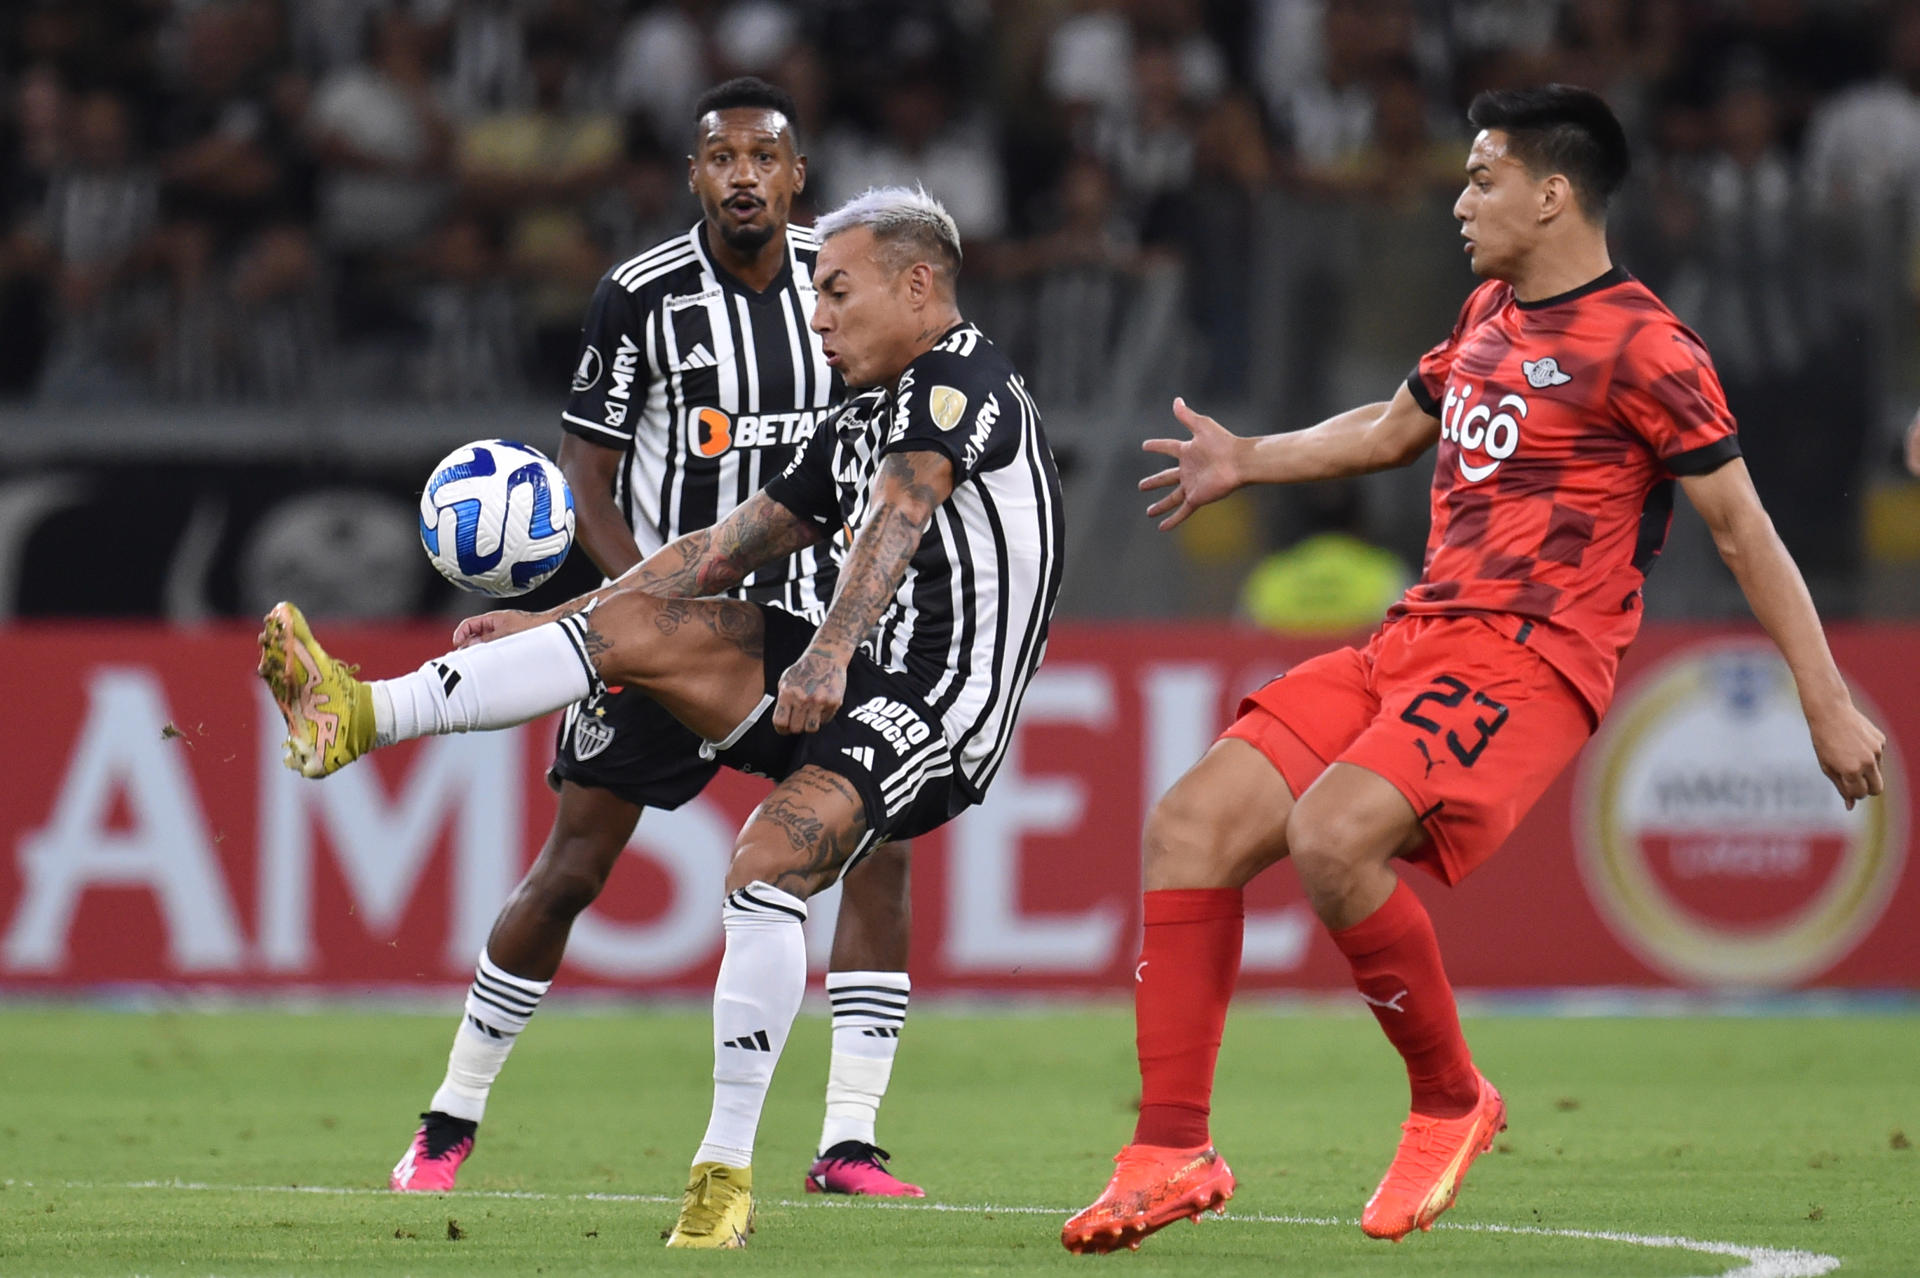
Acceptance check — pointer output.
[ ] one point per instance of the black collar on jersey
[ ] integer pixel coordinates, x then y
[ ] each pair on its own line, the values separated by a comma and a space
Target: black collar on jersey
849, 416
728, 280
1617, 275
949, 331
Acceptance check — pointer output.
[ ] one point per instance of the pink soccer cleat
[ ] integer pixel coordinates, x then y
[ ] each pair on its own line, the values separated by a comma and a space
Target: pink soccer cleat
855, 1167
433, 1160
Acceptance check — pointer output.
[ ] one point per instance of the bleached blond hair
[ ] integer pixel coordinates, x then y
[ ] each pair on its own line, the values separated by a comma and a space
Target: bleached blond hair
908, 226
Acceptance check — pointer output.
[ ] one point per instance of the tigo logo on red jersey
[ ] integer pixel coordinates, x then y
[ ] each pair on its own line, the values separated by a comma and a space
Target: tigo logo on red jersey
1492, 432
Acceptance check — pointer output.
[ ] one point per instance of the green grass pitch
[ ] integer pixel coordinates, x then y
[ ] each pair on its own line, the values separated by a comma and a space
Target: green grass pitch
173, 1143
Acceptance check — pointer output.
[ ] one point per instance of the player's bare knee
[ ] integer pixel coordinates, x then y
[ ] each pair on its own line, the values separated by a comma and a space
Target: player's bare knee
1181, 845
1323, 847
1330, 850
561, 886
798, 872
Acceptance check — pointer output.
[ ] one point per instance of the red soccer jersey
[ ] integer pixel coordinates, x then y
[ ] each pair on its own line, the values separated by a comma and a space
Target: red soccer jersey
1562, 425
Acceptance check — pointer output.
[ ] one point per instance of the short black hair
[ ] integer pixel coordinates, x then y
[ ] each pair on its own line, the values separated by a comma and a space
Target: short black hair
750, 91
1560, 128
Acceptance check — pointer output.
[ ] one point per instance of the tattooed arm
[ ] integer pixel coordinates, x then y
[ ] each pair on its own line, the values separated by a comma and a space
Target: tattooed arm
713, 560
906, 492
759, 531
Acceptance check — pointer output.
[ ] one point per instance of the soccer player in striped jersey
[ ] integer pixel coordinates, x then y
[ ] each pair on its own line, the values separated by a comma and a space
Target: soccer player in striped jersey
1566, 404
698, 380
936, 486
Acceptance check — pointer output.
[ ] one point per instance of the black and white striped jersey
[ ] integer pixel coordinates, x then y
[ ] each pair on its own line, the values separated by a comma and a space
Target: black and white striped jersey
710, 388
968, 625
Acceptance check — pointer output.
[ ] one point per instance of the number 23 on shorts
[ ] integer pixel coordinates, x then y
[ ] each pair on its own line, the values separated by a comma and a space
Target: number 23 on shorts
1455, 715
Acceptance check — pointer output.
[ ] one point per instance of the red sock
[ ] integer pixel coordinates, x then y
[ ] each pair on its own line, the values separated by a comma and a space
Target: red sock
1189, 960
1396, 965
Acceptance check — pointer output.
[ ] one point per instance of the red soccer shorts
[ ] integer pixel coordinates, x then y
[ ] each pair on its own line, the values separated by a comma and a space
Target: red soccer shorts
1469, 725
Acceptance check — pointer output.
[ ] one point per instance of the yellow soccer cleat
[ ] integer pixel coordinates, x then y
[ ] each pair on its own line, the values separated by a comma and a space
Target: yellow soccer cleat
329, 713
717, 1210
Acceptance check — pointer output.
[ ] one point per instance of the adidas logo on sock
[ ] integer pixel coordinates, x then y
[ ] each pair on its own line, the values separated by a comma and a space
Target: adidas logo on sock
698, 357
449, 677
754, 1042
881, 1031
484, 1028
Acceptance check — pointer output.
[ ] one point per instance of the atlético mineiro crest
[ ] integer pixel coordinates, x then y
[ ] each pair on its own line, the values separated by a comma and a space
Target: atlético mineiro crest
1543, 372
590, 736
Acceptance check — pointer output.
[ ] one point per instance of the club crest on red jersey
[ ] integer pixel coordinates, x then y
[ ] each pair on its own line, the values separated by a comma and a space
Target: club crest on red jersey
1543, 372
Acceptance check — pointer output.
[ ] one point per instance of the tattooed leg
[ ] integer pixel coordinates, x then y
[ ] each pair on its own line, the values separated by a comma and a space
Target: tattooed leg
792, 846
702, 659
728, 620
801, 837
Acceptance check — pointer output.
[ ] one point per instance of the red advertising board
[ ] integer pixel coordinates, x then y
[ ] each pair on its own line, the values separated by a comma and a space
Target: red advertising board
150, 835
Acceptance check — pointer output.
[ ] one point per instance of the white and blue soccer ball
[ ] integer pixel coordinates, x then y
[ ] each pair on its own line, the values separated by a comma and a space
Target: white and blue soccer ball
496, 517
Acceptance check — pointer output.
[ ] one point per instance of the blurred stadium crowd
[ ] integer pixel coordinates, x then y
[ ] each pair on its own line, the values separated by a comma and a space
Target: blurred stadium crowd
218, 202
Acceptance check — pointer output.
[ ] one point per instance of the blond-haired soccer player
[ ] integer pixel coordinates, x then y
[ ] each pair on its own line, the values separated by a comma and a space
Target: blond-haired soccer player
884, 722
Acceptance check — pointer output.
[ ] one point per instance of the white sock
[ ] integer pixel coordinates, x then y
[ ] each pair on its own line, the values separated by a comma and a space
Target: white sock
499, 1004
763, 976
868, 1010
490, 685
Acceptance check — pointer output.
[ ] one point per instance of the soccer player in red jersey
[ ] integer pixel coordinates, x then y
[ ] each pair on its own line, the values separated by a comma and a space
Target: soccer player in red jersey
1565, 403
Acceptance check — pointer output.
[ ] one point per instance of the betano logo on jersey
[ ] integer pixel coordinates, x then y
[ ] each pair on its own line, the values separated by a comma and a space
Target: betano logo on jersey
1493, 432
1708, 837
713, 433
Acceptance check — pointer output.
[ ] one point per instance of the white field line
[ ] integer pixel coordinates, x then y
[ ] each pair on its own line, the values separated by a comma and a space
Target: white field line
1762, 1262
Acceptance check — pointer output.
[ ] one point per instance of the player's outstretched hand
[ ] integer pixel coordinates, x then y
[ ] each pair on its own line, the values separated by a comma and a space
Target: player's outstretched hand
493, 625
811, 690
1849, 748
1206, 467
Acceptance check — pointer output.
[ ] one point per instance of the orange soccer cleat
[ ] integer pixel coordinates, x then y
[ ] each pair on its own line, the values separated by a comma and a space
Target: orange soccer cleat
1152, 1187
1430, 1165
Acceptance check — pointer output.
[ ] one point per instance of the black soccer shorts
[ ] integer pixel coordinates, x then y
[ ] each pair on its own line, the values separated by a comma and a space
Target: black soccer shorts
885, 742
621, 741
